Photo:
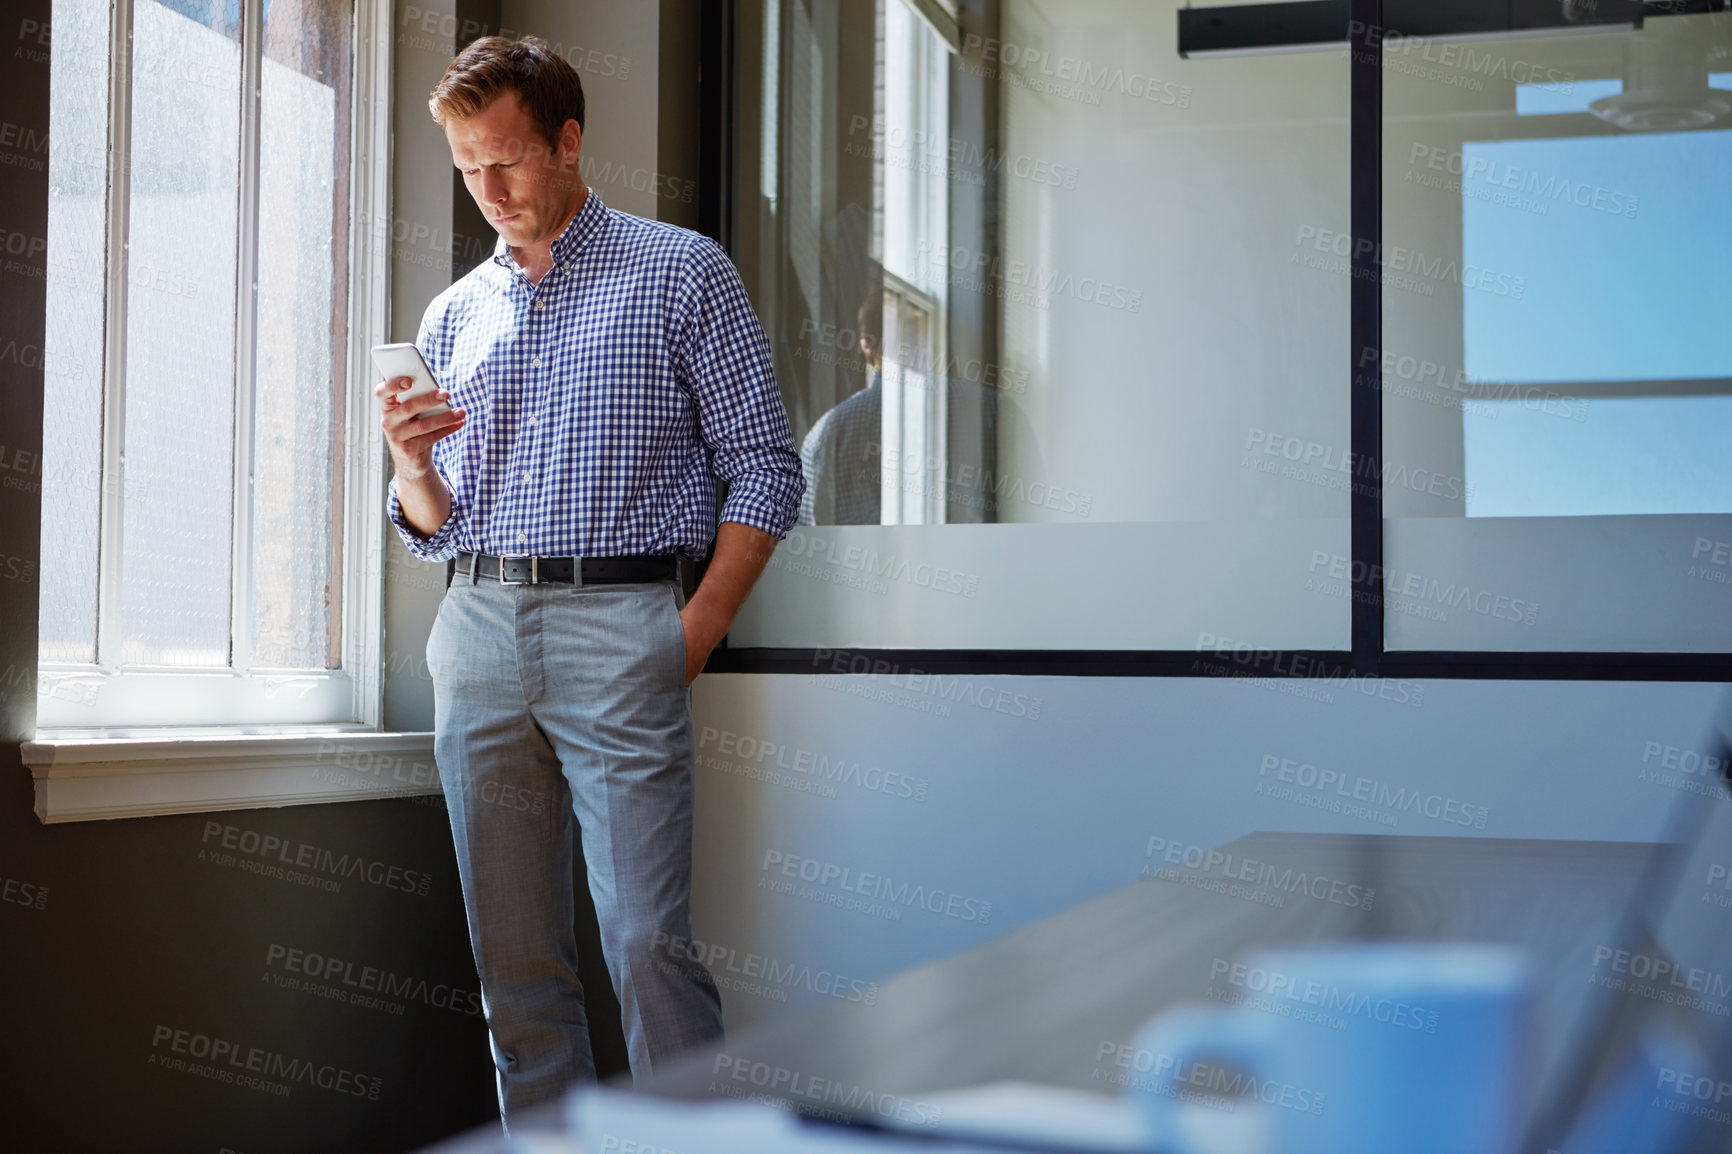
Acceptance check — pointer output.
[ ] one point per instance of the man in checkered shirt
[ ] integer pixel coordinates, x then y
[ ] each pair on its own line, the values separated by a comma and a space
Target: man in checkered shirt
604, 373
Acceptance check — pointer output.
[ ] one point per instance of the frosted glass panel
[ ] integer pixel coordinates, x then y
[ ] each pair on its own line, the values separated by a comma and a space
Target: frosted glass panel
73, 342
1057, 323
1557, 344
932, 587
1655, 584
177, 533
303, 170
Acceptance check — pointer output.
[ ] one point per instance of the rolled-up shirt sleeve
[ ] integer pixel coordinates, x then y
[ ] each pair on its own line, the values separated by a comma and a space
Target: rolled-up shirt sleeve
442, 545
741, 418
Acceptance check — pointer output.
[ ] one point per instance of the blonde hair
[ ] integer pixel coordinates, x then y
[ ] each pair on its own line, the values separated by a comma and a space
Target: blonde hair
544, 81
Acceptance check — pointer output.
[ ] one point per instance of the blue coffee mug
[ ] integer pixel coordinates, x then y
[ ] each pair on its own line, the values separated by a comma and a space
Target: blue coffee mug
1352, 1048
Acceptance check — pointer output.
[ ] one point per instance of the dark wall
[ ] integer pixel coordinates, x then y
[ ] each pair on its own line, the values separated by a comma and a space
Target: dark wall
473, 237
144, 964
680, 92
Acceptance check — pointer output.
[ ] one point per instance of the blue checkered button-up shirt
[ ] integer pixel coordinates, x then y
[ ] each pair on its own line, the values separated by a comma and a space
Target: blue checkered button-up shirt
605, 402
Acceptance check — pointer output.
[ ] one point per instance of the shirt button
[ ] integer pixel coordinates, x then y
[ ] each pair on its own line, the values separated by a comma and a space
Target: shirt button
540, 304
522, 537
526, 477
535, 360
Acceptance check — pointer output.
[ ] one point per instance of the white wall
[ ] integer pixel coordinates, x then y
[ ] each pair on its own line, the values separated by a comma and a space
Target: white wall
1042, 792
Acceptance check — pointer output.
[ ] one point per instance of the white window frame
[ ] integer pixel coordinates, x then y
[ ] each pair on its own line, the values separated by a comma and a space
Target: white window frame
304, 733
913, 425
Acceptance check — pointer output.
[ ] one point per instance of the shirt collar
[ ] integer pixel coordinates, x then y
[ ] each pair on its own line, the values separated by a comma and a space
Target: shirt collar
567, 244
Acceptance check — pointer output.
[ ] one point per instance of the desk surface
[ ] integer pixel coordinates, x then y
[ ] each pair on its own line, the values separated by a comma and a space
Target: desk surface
1039, 1004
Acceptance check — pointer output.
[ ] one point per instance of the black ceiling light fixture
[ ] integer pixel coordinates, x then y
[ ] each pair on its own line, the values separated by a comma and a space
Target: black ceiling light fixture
1308, 25
1245, 29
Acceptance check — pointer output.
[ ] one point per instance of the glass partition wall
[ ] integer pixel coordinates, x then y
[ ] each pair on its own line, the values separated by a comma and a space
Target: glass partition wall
1557, 339
1044, 313
1077, 332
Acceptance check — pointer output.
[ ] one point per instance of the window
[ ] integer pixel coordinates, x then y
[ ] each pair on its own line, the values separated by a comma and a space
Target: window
1047, 325
211, 472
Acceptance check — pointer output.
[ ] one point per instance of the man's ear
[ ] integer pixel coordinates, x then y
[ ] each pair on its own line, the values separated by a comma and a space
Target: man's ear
570, 143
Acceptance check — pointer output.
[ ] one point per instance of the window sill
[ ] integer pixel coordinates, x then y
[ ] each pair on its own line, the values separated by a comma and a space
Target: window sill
88, 777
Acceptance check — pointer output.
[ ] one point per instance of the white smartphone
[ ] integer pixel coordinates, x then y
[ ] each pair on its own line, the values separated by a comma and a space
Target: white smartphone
407, 361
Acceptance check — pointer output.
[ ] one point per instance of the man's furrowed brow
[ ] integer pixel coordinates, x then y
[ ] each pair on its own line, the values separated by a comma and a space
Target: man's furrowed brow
491, 151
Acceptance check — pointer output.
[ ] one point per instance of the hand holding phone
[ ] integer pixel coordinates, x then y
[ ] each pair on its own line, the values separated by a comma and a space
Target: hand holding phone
406, 361
413, 418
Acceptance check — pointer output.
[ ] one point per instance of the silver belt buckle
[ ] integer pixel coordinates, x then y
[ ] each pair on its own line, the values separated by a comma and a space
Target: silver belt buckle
534, 569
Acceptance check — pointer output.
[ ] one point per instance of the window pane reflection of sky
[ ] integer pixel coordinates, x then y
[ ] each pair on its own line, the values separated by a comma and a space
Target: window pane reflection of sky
1615, 251
1630, 455
1613, 254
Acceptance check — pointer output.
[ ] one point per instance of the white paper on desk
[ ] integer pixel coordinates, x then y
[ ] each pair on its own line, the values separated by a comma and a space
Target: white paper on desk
605, 1120
1027, 1112
540, 1143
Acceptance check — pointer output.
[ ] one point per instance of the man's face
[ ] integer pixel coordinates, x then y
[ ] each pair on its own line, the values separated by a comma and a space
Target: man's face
523, 185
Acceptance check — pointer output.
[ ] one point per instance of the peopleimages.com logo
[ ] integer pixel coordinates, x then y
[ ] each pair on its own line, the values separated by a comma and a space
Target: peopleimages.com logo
1396, 799
769, 756
256, 1067
1063, 75
937, 687
1663, 972
868, 563
303, 863
827, 881
1270, 989
1263, 875
776, 1083
358, 982
1687, 1092
1206, 1083
724, 961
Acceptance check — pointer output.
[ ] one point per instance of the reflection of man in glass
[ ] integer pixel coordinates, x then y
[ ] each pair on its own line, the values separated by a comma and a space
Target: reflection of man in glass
841, 454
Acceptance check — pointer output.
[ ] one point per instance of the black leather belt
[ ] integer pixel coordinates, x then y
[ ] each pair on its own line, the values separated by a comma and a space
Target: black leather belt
567, 570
